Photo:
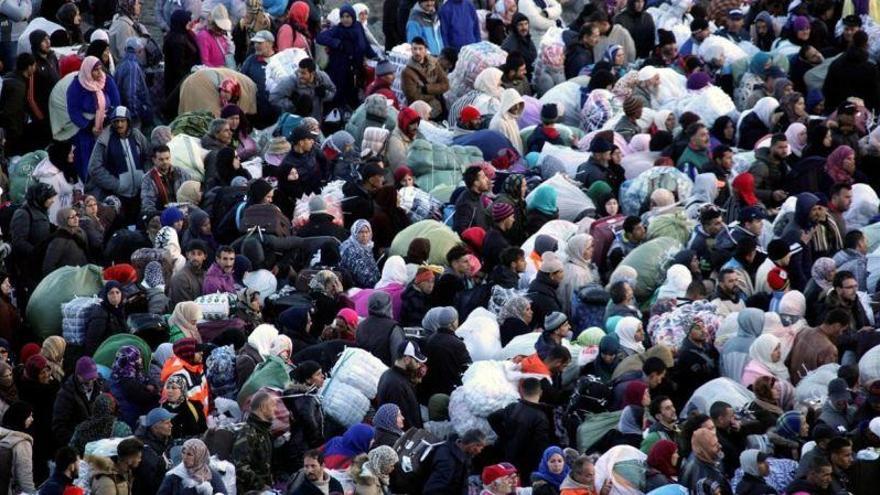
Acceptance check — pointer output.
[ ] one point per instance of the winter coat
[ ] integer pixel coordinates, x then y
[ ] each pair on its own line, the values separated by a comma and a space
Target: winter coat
448, 359
852, 261
414, 305
398, 144
524, 431
801, 263
101, 325
213, 48
185, 285
493, 244
134, 399
216, 280
512, 328
66, 249
110, 173
306, 421
301, 485
544, 297
640, 26
151, 471
252, 455
106, 479
13, 98
380, 336
152, 202
322, 225
175, 485
540, 18
693, 470
427, 26
426, 82
470, 212
121, 29
181, 52
133, 90
29, 229
359, 261
750, 131
16, 454
395, 387
852, 74
754, 485
524, 45
320, 91
81, 107
311, 175
505, 122
255, 68
56, 484
449, 471
189, 421
577, 56
348, 47
459, 24
72, 407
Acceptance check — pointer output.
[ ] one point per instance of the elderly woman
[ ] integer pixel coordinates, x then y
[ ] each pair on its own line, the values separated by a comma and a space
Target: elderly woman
357, 255
579, 269
766, 360
134, 389
53, 350
90, 97
194, 474
515, 318
69, 246
631, 334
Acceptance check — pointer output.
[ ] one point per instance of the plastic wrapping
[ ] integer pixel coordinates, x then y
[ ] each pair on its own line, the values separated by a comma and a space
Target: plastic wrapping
719, 389
359, 369
481, 335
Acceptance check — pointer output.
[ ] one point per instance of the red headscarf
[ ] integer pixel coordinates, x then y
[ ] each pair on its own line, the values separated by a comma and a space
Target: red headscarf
834, 164
632, 395
744, 185
660, 457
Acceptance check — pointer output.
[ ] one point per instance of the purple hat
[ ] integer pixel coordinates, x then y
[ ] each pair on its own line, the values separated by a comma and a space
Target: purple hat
86, 369
500, 211
800, 23
698, 80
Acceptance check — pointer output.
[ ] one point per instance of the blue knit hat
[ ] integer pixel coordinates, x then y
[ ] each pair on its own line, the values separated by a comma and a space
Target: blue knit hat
814, 97
170, 216
789, 425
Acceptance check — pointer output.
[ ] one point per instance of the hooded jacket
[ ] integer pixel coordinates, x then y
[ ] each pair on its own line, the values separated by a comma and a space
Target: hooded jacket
117, 164
801, 263
524, 45
705, 191
427, 26
400, 141
506, 122
378, 333
459, 24
769, 173
16, 451
852, 74
322, 90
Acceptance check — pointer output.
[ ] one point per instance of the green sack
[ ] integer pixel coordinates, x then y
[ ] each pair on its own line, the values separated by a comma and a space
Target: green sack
672, 225
106, 353
650, 260
20, 174
441, 236
594, 427
270, 373
57, 288
195, 124
435, 164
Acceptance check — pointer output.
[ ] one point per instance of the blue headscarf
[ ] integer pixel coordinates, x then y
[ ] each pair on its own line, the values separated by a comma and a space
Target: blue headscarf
758, 62
386, 418
356, 440
543, 472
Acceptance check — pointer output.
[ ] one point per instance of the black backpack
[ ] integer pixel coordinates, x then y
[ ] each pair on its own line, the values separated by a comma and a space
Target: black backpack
591, 395
415, 451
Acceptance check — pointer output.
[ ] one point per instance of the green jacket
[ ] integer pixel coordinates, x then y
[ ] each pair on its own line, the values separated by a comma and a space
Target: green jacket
252, 455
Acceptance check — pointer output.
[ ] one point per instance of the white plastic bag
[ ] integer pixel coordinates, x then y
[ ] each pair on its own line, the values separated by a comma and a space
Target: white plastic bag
359, 369
570, 199
481, 335
719, 389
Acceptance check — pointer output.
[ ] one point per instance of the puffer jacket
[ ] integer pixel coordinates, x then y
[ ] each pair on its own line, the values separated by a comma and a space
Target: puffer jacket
427, 26
66, 249
306, 421
16, 456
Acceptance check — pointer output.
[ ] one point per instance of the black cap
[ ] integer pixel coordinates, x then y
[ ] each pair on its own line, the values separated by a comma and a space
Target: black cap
699, 24
777, 249
751, 213
302, 132
549, 112
852, 20
370, 170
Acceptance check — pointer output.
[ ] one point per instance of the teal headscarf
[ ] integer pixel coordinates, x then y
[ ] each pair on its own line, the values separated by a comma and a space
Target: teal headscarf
544, 200
758, 63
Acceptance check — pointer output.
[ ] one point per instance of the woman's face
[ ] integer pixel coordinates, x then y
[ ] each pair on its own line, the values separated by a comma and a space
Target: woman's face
774, 392
523, 189
346, 20
206, 227
805, 427
6, 287
6, 377
646, 398
77, 18
363, 16
96, 71
44, 376
803, 35
761, 27
399, 420
173, 392
800, 108
608, 358
802, 137
670, 122
225, 95
640, 334
729, 131
776, 355
73, 220
619, 57
528, 314
364, 236
556, 464
849, 164
616, 156
673, 459
408, 181
233, 121
317, 379
114, 296
189, 459
612, 207
588, 252
91, 205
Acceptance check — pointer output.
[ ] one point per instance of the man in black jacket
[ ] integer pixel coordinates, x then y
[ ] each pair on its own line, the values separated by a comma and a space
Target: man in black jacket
156, 434
320, 222
448, 358
416, 299
397, 385
506, 273
524, 428
378, 333
817, 481
66, 470
519, 40
306, 417
542, 290
451, 464
74, 401
358, 202
313, 479
469, 208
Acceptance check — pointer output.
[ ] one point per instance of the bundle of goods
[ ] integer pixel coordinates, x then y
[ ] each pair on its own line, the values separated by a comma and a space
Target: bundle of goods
675, 225
353, 383
864, 207
568, 134
672, 86
487, 386
216, 306
195, 124
869, 367
550, 65
814, 387
436, 133
571, 200
671, 328
709, 103
719, 389
419, 205
283, 64
524, 345
62, 127
199, 90
472, 59
568, 96
399, 56
21, 174
675, 17
649, 260
481, 335
568, 159
624, 466
44, 307
332, 194
635, 193
441, 236
187, 152
561, 230
106, 352
718, 48
435, 165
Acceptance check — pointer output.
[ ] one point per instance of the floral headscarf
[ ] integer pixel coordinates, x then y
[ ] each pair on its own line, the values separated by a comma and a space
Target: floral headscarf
128, 364
326, 282
553, 56
179, 381
201, 471
597, 110
53, 350
513, 187
822, 268
357, 227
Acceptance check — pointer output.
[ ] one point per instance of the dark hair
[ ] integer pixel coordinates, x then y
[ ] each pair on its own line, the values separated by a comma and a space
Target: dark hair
778, 138
556, 353
696, 290
129, 446
531, 386
850, 373
598, 16
718, 408
837, 316
586, 29
725, 271
720, 150
618, 291
224, 249
514, 61
745, 247
418, 40
630, 223
23, 61
511, 254
473, 436
470, 175
860, 39
308, 64
303, 105
837, 187
692, 129
842, 276
315, 454
709, 215
852, 239
65, 456
817, 463
656, 403
601, 79
838, 443
653, 365
456, 252
161, 148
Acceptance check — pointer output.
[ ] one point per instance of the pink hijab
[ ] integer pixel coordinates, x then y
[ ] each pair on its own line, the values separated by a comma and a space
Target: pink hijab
95, 86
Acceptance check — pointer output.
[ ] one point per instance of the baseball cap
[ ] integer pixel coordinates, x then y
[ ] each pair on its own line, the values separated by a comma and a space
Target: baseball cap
412, 350
495, 471
735, 14
263, 36
157, 415
750, 213
838, 390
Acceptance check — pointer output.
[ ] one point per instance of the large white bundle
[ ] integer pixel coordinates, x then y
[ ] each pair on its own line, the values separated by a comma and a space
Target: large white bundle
399, 56
874, 268
488, 386
463, 419
672, 86
359, 369
570, 158
865, 206
472, 59
716, 47
283, 64
561, 230
187, 152
869, 366
41, 23
106, 447
344, 403
570, 199
814, 386
481, 334
669, 15
226, 470
724, 389
709, 103
435, 133
636, 163
568, 96
621, 481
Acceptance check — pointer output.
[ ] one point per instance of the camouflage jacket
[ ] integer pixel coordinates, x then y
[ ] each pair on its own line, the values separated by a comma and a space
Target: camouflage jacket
252, 454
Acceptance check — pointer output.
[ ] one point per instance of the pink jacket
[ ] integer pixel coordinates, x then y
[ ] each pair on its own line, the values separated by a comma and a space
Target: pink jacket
394, 290
288, 38
212, 48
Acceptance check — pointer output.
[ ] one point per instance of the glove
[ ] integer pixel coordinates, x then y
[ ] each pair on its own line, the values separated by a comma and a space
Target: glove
5, 250
320, 92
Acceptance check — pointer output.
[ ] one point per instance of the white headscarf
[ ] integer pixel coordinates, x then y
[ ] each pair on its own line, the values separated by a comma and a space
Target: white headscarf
764, 109
678, 278
394, 272
760, 351
261, 339
626, 331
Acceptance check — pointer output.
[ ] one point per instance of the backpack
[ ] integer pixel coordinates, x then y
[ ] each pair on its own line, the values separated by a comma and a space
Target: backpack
148, 326
603, 232
414, 452
588, 305
74, 318
267, 217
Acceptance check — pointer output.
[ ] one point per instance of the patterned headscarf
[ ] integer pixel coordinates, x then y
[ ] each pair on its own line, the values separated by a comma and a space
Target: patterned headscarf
610, 53
381, 461
201, 471
513, 187
358, 226
821, 270
53, 350
180, 381
326, 282
386, 418
128, 364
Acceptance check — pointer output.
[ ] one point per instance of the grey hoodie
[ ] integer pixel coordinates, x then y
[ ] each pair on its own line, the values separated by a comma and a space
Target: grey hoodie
16, 451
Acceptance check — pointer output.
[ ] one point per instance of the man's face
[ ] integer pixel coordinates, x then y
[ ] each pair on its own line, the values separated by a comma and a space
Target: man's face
306, 145
135, 460
602, 157
264, 48
162, 161
419, 52
655, 379
305, 76
45, 45
817, 213
764, 469
346, 20
638, 233
522, 28
521, 72
842, 200
428, 5
846, 123
120, 126
226, 260
714, 226
462, 266
162, 429
482, 184
814, 56
196, 257
821, 478
779, 150
592, 39
848, 289
725, 420
734, 25
755, 226
728, 283
700, 140
669, 52
849, 32
426, 287
700, 35
586, 476
843, 458
313, 469
667, 412
557, 276
473, 449
519, 266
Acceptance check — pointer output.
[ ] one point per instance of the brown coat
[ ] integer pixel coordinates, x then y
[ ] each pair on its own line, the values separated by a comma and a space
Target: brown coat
416, 75
106, 478
811, 349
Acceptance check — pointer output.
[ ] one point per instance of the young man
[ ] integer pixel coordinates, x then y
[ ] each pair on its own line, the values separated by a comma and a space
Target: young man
308, 83
397, 384
665, 426
186, 284
512, 263
313, 479
469, 209
161, 183
579, 53
117, 164
519, 40
546, 132
252, 449
524, 429
219, 276
416, 298
628, 125
424, 79
382, 84
814, 347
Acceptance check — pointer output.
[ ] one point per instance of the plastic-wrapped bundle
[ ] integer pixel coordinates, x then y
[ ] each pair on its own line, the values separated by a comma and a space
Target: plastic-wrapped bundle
674, 225
640, 188
359, 369
441, 236
568, 96
549, 67
435, 133
709, 103
489, 386
59, 287
649, 260
715, 47
283, 64
481, 334
344, 403
728, 329
561, 230
472, 59
187, 152
671, 328
670, 15
463, 419
569, 158
814, 386
301, 209
399, 56
869, 366
625, 467
435, 164
672, 86
865, 206
618, 140
419, 205
597, 111
570, 199
226, 470
719, 389
742, 161
568, 134
524, 345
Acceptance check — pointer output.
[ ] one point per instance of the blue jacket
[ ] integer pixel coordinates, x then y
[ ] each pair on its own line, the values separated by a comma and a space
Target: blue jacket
255, 68
459, 24
133, 90
427, 26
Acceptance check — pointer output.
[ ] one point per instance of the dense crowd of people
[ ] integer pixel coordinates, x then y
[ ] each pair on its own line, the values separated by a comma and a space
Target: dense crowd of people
474, 247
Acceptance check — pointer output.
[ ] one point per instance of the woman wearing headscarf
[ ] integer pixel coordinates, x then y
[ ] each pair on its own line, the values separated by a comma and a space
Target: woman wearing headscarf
606, 362
541, 208
766, 360
340, 451
326, 292
615, 56
168, 238
498, 22
357, 255
735, 353
819, 141
723, 131
193, 475
36, 387
225, 166
840, 168
8, 390
242, 142
388, 219
752, 83
513, 192
189, 419
387, 425
793, 111
295, 32
126, 24
755, 470
255, 351
59, 171
199, 228
105, 319
796, 134
757, 122
157, 361
505, 120
631, 334
662, 465
792, 430
678, 278
821, 281
69, 246
393, 282
53, 350
18, 446
766, 407
134, 390
101, 424
254, 20
515, 318
579, 269
782, 87
485, 97
371, 473
551, 472
349, 47
182, 322
90, 97
181, 50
